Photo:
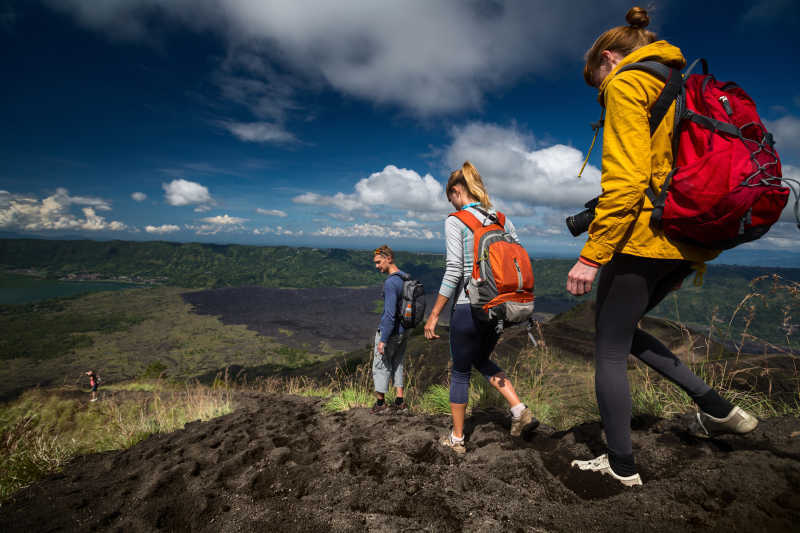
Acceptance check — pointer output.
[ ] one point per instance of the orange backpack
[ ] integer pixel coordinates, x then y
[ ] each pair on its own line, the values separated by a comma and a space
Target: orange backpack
501, 285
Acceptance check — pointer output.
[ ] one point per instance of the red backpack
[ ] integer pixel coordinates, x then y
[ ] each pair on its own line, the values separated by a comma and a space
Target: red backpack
501, 285
726, 186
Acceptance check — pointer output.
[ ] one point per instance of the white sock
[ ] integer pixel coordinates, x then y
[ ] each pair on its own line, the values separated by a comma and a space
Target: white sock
454, 439
516, 411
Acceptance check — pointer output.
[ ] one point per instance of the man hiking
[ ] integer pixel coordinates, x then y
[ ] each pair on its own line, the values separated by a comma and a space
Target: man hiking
390, 340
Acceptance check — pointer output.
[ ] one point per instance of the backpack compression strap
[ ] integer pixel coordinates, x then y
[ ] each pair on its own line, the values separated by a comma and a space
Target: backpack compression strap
672, 92
472, 222
402, 275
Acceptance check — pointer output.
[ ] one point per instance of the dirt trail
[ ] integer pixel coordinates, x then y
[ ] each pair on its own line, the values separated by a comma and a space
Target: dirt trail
280, 463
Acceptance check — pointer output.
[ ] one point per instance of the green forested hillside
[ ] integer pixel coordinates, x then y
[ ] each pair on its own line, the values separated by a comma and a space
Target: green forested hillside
201, 265
771, 312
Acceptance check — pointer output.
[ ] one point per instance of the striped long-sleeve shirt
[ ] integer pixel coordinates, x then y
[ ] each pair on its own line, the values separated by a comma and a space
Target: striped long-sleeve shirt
460, 248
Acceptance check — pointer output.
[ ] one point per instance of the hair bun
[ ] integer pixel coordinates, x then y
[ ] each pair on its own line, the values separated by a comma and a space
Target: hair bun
637, 17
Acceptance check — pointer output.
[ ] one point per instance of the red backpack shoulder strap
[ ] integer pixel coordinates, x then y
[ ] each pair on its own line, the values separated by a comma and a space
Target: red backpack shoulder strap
468, 219
501, 219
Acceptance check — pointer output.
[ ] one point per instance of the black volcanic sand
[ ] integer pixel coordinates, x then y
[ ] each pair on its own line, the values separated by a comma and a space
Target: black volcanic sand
280, 463
343, 318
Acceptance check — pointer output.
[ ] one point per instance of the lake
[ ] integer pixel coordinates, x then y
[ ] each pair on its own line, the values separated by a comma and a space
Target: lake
19, 289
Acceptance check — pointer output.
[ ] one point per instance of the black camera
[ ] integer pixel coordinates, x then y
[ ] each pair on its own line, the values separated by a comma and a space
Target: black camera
579, 223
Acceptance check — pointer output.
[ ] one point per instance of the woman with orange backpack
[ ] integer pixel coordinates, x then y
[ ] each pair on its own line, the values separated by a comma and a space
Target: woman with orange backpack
640, 265
472, 339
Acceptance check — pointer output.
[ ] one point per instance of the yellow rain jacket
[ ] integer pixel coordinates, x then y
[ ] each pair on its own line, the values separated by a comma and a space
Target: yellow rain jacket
632, 161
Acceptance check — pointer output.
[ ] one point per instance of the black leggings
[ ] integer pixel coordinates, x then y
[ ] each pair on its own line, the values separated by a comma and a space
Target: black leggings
628, 288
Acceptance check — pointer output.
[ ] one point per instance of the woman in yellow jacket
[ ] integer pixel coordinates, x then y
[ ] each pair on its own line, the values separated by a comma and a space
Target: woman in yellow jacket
638, 265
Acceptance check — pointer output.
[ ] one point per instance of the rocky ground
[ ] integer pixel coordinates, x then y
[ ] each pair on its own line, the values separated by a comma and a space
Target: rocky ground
281, 463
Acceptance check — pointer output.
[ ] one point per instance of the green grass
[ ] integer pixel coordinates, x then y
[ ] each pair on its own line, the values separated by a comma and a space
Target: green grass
350, 398
435, 400
42, 430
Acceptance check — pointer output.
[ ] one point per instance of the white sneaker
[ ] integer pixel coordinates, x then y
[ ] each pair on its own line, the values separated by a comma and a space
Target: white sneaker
456, 445
738, 421
600, 464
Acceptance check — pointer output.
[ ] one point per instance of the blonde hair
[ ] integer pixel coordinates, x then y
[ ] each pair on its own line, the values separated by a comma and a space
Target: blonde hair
469, 177
622, 39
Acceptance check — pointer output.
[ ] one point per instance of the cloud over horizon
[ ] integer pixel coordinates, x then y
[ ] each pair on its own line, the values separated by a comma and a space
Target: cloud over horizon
162, 229
53, 212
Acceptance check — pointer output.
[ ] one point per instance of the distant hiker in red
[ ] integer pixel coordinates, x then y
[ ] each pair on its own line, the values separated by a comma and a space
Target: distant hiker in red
638, 265
472, 340
391, 338
93, 383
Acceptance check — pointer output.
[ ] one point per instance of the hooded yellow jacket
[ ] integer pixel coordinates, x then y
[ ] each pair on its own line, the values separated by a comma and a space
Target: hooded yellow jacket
632, 161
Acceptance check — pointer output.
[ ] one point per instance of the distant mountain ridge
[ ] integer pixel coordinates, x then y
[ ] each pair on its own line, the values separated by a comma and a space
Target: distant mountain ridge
196, 265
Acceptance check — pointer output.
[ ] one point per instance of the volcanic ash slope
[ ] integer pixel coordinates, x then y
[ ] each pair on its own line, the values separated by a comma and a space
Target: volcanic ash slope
280, 463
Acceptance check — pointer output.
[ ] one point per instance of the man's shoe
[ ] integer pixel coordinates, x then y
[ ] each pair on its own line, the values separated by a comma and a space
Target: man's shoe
738, 421
600, 464
400, 407
456, 446
377, 409
525, 421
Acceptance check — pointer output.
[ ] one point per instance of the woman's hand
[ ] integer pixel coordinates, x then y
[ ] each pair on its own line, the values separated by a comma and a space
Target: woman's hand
580, 278
430, 327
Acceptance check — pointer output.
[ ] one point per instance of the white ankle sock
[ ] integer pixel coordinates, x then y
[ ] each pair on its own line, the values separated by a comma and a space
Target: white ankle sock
456, 439
516, 411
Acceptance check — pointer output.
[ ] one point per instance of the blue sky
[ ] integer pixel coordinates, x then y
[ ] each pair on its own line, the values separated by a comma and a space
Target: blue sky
334, 124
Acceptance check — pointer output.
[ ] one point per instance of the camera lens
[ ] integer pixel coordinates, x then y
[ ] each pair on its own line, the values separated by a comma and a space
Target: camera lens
577, 224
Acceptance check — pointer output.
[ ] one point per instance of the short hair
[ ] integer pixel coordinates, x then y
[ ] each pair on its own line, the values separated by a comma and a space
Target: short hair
384, 251
622, 39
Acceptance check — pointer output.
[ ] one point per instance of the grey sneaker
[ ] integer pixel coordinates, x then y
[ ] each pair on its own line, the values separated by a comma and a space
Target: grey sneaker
600, 464
456, 446
524, 421
738, 421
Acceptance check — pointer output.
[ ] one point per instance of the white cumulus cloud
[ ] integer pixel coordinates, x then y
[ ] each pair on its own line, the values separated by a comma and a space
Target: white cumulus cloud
224, 220
514, 170
161, 230
183, 192
54, 212
139, 196
218, 224
394, 188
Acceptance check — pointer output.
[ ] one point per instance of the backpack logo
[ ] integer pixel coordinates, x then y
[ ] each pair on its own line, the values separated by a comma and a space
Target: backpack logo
726, 187
501, 285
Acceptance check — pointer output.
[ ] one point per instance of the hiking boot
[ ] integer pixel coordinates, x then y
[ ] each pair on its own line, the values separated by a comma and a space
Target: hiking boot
738, 421
457, 447
524, 421
378, 409
400, 407
600, 464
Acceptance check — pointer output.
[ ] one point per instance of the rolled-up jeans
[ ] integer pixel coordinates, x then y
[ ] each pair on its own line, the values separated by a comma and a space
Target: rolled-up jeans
390, 364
